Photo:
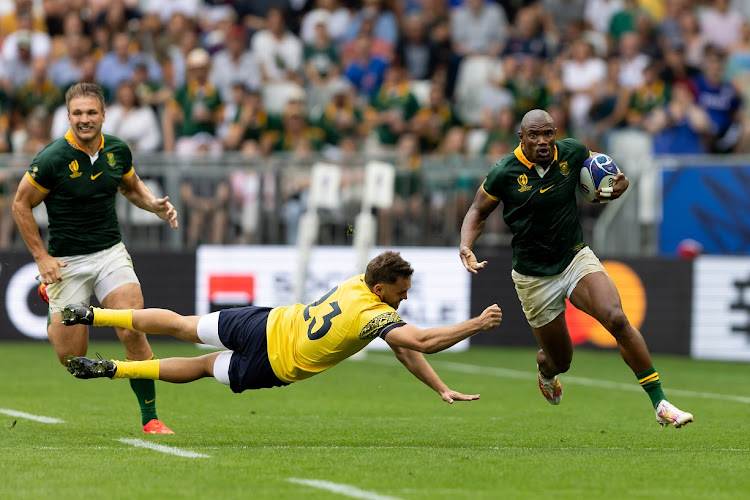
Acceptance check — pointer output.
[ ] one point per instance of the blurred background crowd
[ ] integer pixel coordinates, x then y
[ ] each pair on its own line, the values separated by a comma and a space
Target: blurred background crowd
414, 78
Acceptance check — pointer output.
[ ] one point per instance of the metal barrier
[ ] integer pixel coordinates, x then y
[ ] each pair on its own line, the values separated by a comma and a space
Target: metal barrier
233, 199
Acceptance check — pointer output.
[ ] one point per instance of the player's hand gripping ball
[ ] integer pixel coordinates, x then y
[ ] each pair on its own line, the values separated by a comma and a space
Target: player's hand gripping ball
598, 171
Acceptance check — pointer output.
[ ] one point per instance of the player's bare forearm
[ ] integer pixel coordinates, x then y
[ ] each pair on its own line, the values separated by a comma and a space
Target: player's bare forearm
25, 200
439, 338
472, 227
141, 196
420, 368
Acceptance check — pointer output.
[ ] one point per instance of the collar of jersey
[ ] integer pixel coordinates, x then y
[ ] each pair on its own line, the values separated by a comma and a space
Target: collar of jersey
522, 157
72, 141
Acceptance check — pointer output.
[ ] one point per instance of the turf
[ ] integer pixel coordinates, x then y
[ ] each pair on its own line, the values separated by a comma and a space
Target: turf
368, 424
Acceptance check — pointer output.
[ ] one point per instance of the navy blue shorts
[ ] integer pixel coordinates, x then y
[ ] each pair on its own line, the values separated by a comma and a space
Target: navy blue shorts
243, 330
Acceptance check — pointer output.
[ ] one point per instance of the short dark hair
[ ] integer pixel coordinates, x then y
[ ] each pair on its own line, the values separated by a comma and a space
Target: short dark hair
387, 268
84, 89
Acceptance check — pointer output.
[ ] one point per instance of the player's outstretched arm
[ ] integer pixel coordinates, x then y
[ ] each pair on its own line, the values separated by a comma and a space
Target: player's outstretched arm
436, 339
141, 196
420, 368
472, 227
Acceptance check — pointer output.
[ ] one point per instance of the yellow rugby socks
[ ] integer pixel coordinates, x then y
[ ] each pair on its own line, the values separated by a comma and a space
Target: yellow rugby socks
113, 317
148, 369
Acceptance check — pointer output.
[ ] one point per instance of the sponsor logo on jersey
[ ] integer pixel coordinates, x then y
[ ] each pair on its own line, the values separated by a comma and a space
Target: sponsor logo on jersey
564, 169
73, 166
523, 180
93, 177
544, 190
34, 171
111, 159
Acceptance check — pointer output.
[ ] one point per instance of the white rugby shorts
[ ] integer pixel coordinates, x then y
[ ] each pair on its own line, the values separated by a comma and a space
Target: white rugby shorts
97, 273
543, 297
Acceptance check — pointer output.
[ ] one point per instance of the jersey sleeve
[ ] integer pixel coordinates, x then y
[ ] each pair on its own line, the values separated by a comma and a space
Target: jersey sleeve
579, 150
493, 182
378, 321
41, 173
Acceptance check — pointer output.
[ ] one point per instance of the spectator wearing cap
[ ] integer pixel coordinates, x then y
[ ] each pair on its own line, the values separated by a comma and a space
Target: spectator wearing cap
234, 63
116, 66
192, 116
18, 69
279, 51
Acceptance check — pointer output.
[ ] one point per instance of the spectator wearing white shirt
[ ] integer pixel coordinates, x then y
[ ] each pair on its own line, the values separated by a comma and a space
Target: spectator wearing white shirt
721, 25
167, 8
598, 13
278, 50
234, 63
39, 41
632, 60
329, 12
133, 122
581, 75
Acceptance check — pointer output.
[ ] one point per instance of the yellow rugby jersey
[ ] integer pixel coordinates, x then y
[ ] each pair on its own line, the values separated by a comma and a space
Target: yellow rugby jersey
304, 340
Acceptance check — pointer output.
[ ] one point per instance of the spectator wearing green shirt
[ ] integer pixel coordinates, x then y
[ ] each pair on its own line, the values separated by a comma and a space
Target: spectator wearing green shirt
191, 117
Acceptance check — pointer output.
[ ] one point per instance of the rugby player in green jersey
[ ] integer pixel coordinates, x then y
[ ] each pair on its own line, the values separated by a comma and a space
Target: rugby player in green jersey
78, 177
537, 185
264, 347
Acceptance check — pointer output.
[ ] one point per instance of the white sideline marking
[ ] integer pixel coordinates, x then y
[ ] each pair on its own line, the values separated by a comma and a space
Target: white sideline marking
590, 382
164, 449
343, 489
29, 416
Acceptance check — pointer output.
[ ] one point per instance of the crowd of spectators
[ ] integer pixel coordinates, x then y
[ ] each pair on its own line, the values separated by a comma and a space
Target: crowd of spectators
425, 77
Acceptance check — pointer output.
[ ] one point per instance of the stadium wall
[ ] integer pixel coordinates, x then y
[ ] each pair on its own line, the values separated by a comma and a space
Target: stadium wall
168, 280
699, 308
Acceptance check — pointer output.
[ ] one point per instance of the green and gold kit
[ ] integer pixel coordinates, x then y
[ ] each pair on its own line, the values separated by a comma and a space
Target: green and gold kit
540, 210
81, 193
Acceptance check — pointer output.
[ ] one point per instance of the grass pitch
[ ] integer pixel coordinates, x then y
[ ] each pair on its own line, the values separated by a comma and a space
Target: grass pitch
368, 429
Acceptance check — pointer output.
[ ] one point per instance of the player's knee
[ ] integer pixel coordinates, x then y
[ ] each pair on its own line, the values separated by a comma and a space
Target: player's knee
616, 322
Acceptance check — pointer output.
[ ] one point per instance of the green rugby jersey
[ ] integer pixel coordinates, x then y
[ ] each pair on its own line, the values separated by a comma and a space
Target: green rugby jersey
541, 212
80, 195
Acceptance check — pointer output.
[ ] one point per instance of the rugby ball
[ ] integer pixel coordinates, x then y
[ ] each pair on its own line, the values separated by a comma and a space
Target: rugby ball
598, 171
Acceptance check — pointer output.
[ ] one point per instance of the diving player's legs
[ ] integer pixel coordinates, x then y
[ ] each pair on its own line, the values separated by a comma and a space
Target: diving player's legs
175, 370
